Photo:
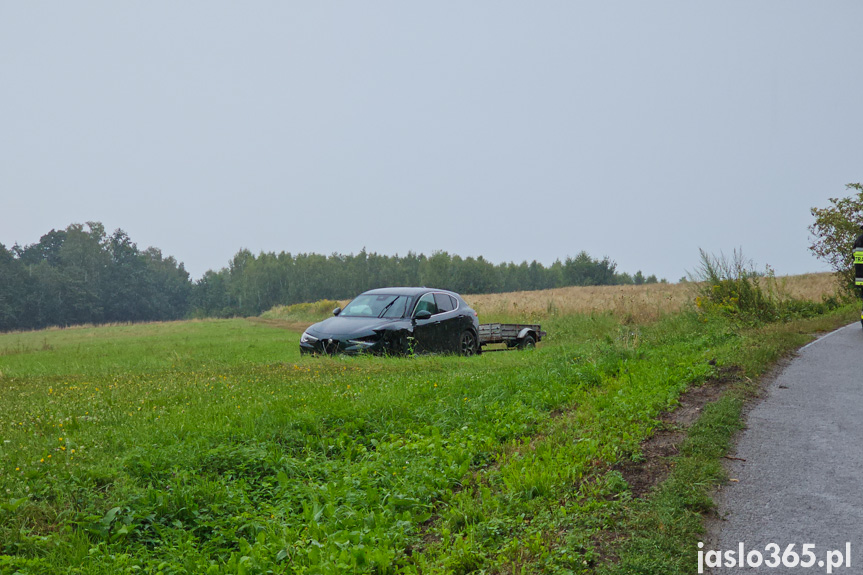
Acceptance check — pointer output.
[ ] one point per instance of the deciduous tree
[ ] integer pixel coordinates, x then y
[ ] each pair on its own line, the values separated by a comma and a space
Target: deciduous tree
834, 231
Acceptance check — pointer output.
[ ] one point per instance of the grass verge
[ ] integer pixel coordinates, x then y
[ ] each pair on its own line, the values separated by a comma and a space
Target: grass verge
659, 534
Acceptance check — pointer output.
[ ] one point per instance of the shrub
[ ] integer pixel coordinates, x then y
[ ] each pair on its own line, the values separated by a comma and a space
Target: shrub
734, 288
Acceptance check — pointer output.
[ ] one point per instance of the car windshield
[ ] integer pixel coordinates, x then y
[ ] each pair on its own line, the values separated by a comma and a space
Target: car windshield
376, 306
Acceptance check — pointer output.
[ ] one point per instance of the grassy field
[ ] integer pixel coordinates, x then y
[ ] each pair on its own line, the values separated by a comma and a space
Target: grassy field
213, 447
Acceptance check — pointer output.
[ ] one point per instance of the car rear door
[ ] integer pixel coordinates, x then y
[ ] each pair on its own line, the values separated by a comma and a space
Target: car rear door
451, 324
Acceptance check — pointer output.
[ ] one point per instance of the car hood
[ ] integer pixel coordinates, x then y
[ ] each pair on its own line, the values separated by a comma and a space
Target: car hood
345, 327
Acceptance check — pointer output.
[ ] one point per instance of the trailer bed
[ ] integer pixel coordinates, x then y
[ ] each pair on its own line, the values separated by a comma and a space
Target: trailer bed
512, 334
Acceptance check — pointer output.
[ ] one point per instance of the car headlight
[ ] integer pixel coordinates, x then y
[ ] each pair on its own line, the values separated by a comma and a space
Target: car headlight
306, 338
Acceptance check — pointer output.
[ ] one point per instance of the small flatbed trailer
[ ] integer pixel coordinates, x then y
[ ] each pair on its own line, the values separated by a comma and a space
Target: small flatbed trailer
514, 335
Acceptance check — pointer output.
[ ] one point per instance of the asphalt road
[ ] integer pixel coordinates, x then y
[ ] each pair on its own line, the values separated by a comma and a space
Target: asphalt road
802, 478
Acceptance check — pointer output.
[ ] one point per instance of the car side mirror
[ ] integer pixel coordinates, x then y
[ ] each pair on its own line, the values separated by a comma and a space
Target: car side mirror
337, 311
424, 314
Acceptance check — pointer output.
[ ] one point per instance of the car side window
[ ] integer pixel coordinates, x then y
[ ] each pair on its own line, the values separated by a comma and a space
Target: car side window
444, 302
426, 303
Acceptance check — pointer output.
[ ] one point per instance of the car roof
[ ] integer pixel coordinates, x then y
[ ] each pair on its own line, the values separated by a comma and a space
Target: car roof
405, 291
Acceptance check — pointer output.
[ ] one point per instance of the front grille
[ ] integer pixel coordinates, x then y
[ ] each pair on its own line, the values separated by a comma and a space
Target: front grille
329, 346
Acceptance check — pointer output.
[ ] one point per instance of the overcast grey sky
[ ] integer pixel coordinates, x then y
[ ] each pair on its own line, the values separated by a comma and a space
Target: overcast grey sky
517, 131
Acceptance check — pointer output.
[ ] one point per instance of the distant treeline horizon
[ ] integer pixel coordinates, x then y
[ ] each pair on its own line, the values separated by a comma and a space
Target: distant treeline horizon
83, 275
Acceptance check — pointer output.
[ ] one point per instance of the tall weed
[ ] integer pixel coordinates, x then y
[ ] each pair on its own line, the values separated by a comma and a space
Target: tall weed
735, 288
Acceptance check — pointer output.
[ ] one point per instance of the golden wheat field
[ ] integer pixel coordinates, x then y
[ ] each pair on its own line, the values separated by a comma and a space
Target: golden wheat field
639, 303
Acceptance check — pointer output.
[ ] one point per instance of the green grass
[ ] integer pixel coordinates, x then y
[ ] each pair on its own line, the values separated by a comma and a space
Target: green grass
213, 447
140, 348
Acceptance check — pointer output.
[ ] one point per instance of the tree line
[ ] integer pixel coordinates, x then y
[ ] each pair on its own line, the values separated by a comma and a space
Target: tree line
84, 275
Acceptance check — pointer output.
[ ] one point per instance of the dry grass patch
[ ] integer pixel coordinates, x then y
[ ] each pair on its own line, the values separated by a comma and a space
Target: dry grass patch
810, 287
642, 302
638, 303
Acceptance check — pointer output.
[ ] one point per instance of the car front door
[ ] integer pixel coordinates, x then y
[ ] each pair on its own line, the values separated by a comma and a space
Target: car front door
427, 332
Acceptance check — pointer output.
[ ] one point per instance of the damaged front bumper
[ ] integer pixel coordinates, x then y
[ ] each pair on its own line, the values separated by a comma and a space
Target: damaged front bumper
376, 344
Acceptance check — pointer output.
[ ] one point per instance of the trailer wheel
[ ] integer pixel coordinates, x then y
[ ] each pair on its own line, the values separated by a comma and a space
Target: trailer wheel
467, 343
527, 342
